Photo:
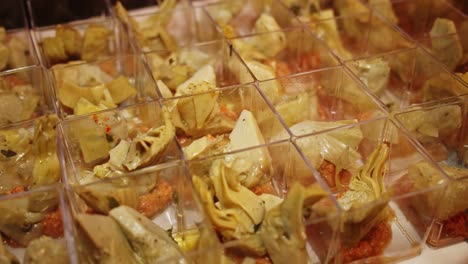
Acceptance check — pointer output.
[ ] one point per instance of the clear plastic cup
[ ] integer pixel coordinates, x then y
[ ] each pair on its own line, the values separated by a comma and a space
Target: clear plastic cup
286, 224
370, 168
404, 78
82, 88
115, 142
448, 148
326, 95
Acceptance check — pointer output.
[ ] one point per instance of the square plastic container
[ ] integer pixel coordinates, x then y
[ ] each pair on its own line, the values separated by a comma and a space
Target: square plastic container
416, 18
34, 226
447, 146
404, 78
166, 29
243, 18
370, 168
324, 95
28, 155
283, 53
83, 88
114, 142
16, 46
135, 209
218, 121
24, 94
240, 180
213, 62
88, 40
46, 13
357, 35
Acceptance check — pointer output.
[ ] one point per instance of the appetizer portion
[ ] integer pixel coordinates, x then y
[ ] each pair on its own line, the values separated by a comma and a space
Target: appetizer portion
368, 167
442, 131
23, 95
224, 120
146, 217
265, 219
405, 78
15, 50
84, 88
31, 228
88, 40
214, 63
247, 17
168, 28
320, 100
350, 29
112, 143
282, 53
28, 155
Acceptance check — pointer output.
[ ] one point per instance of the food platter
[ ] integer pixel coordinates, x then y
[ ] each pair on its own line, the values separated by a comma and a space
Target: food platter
246, 131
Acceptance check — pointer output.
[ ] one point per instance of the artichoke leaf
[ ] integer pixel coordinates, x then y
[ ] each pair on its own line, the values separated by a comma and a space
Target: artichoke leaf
46, 169
446, 44
231, 193
283, 231
365, 201
104, 197
149, 241
126, 19
148, 148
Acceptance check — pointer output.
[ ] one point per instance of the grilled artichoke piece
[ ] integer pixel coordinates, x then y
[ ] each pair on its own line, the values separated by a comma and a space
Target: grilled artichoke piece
95, 43
283, 231
446, 43
126, 19
232, 222
433, 124
120, 89
18, 222
71, 39
366, 186
455, 198
148, 148
273, 43
19, 53
54, 50
6, 257
46, 169
92, 139
105, 241
46, 250
104, 197
442, 85
150, 242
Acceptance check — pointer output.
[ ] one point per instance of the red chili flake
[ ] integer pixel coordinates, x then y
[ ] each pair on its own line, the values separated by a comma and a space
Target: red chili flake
108, 129
95, 118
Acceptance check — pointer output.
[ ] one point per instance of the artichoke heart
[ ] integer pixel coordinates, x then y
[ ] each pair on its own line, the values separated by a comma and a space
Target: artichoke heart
273, 43
105, 241
283, 231
366, 199
148, 148
95, 43
446, 44
46, 250
434, 123
455, 198
104, 197
46, 169
149, 241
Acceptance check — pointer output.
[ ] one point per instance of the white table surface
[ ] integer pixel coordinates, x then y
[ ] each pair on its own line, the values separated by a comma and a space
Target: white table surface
456, 254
